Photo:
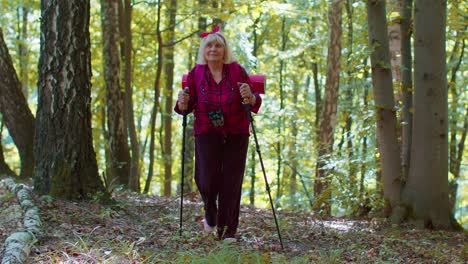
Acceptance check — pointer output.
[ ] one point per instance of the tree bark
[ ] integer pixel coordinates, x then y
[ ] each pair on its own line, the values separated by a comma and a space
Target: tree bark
394, 39
66, 162
384, 102
169, 69
189, 141
426, 191
328, 117
157, 92
406, 86
23, 48
280, 143
349, 101
318, 95
252, 160
126, 18
293, 146
456, 148
363, 168
15, 110
119, 154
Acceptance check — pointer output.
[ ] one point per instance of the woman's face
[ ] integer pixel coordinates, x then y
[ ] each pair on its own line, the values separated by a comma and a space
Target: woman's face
214, 52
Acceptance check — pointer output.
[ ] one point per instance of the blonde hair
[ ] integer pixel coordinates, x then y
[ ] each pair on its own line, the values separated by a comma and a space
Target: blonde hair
218, 37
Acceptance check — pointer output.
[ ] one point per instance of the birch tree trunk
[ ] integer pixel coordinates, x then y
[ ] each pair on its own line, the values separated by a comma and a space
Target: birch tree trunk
384, 102
66, 162
15, 111
426, 191
328, 117
119, 155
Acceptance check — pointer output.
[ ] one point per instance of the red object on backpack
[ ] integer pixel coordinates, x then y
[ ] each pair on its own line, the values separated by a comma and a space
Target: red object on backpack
258, 81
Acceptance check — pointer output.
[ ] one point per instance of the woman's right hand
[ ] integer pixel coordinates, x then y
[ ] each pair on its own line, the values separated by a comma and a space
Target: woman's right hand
183, 99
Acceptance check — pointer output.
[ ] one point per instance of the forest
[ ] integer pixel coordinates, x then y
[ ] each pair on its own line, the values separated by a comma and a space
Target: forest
362, 131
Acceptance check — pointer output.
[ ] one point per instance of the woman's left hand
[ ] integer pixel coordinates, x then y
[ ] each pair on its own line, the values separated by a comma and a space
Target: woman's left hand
246, 93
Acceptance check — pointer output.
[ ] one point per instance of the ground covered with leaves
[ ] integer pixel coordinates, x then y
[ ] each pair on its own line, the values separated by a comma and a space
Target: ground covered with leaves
145, 229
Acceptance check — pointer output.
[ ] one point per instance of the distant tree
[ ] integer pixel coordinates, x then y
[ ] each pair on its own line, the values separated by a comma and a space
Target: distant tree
328, 113
125, 18
458, 125
119, 155
15, 110
256, 35
23, 14
66, 162
280, 127
157, 92
169, 70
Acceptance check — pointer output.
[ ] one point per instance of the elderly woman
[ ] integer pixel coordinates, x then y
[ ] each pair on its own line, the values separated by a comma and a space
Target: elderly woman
217, 88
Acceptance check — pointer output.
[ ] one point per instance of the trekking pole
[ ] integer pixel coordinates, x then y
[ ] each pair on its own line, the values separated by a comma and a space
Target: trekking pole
249, 113
184, 125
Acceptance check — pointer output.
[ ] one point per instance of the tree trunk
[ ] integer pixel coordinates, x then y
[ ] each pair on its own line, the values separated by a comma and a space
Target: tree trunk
456, 148
318, 95
293, 146
23, 48
394, 38
189, 141
119, 162
384, 102
455, 164
364, 139
109, 182
349, 101
406, 86
157, 92
426, 192
328, 117
279, 143
15, 110
66, 161
126, 18
252, 160
169, 69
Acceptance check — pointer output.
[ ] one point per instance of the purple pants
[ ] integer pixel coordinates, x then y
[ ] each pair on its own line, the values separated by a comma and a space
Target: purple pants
219, 170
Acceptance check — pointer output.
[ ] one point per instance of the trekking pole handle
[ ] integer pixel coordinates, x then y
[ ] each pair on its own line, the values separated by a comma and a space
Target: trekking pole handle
186, 91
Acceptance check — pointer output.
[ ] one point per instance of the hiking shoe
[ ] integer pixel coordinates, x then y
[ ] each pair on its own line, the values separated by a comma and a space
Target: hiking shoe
229, 240
207, 227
